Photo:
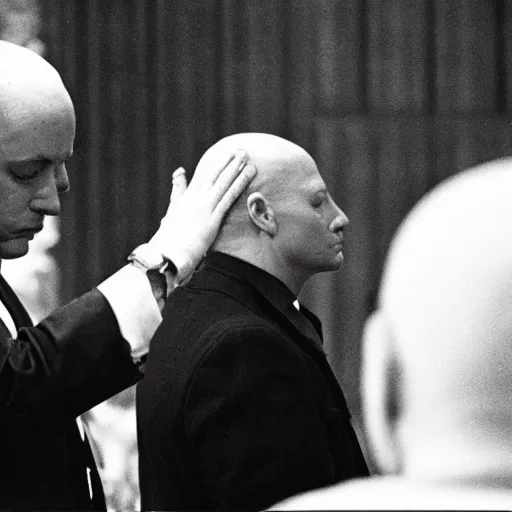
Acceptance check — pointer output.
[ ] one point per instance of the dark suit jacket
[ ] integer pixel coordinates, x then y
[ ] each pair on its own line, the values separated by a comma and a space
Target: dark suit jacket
52, 373
238, 407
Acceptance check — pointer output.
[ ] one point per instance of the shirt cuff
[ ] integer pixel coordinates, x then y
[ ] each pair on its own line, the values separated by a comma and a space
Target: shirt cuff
131, 298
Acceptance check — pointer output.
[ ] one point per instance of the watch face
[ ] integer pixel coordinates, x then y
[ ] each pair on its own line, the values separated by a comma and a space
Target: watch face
148, 257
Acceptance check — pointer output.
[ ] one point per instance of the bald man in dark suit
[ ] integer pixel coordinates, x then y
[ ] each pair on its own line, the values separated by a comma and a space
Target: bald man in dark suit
246, 410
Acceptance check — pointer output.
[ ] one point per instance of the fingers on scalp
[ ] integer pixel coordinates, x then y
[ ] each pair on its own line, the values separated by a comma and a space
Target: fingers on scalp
235, 189
228, 176
232, 168
212, 175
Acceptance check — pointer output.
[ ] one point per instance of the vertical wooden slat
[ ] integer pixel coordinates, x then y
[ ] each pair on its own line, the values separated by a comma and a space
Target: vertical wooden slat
163, 30
397, 55
300, 43
402, 151
188, 96
140, 175
95, 131
505, 53
70, 221
340, 72
253, 67
466, 56
115, 178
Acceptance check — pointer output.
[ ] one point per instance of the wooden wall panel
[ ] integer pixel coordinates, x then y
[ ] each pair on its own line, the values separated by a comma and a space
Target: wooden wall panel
253, 67
464, 142
182, 50
300, 47
403, 161
466, 54
398, 56
340, 68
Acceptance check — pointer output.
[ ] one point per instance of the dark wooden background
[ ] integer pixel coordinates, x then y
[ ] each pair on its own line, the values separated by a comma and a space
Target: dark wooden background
389, 96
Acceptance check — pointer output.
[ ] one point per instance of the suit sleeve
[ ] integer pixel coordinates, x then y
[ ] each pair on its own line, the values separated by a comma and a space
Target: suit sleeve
253, 423
71, 361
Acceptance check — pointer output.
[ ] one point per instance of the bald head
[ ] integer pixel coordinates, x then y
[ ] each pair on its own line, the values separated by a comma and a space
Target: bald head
22, 66
275, 158
28, 85
286, 222
446, 314
278, 161
447, 288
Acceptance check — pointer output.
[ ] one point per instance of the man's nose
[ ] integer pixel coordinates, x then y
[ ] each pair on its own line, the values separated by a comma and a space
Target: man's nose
340, 219
62, 179
47, 199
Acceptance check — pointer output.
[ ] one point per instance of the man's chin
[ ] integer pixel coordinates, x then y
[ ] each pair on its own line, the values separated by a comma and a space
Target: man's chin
12, 249
331, 266
338, 261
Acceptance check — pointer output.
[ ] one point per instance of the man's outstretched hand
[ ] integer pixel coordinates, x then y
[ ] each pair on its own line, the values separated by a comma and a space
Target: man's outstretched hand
195, 213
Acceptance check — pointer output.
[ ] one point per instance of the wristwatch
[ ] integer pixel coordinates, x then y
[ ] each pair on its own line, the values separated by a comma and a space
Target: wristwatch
159, 270
147, 258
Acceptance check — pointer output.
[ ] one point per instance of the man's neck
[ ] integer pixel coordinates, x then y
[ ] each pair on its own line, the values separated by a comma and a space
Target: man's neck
265, 261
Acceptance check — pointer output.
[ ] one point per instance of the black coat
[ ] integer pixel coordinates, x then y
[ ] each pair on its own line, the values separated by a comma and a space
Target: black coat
52, 373
239, 407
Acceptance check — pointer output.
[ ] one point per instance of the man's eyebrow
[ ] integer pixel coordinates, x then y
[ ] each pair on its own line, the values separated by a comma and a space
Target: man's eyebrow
58, 159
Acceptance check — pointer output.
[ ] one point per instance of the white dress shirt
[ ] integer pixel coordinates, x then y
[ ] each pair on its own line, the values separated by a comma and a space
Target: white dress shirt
7, 319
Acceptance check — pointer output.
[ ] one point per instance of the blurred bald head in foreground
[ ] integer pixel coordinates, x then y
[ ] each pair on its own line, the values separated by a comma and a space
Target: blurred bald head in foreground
437, 376
286, 221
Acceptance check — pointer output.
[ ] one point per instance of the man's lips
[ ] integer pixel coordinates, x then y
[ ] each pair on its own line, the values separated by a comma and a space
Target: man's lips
28, 232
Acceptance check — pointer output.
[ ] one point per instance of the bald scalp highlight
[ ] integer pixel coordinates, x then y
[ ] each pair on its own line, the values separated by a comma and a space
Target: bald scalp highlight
27, 82
272, 156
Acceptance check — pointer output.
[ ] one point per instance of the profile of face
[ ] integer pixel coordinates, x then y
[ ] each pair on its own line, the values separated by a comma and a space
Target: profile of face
37, 129
310, 225
286, 222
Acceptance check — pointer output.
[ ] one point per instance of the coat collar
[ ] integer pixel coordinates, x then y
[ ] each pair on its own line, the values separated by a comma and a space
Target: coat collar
271, 292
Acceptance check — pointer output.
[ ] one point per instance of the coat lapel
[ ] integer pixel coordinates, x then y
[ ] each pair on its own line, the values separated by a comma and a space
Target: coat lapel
300, 325
259, 290
16, 309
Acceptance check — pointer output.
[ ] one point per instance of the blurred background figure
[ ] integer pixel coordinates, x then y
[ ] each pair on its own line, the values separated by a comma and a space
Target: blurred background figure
20, 23
437, 357
35, 276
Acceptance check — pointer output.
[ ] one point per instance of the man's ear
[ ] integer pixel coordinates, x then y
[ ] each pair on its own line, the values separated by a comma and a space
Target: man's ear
261, 213
381, 400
